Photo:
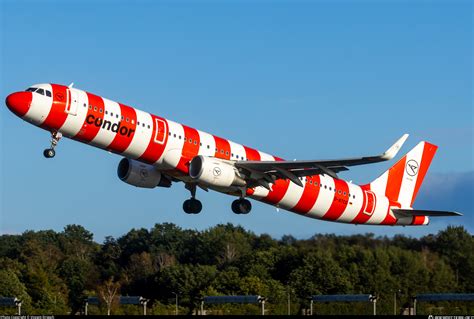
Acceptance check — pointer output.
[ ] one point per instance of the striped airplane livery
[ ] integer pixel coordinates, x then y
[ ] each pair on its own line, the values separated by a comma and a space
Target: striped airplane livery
158, 152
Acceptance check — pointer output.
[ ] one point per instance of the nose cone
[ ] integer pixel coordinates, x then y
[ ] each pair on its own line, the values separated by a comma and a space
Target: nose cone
19, 102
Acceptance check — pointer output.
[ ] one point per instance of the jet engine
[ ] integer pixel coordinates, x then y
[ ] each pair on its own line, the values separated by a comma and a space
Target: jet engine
141, 175
214, 172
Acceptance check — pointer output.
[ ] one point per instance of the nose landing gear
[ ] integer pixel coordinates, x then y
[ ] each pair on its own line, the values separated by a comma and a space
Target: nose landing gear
55, 137
192, 205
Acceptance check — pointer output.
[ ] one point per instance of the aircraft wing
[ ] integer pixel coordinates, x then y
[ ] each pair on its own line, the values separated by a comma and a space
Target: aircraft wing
264, 172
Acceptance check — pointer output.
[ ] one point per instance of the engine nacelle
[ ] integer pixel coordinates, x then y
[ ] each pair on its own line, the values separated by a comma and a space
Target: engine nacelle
141, 175
214, 172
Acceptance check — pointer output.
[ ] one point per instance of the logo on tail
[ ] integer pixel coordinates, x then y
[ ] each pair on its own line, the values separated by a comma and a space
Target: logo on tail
412, 167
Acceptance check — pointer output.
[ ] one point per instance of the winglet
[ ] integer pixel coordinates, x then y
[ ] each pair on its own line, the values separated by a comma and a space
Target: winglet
393, 150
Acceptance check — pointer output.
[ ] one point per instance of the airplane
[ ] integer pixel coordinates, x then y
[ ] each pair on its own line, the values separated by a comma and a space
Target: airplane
158, 152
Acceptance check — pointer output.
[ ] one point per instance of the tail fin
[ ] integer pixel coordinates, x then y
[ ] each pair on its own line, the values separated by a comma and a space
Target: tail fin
403, 180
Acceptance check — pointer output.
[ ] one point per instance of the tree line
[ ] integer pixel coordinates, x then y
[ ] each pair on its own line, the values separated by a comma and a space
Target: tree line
53, 272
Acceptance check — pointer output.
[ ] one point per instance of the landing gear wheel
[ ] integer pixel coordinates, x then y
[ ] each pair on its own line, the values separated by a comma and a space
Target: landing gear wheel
192, 206
49, 153
55, 137
241, 206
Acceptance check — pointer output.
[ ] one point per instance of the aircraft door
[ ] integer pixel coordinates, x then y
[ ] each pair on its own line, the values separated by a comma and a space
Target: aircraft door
160, 133
369, 203
72, 102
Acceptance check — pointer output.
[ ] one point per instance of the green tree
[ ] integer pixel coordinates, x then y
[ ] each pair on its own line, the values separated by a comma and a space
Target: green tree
76, 272
456, 245
11, 286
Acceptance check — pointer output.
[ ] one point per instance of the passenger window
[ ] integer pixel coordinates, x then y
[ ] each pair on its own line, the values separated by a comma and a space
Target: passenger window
48, 93
208, 147
90, 107
116, 115
100, 110
143, 124
112, 113
122, 117
106, 112
339, 191
195, 143
95, 108
127, 120
222, 151
148, 126
227, 153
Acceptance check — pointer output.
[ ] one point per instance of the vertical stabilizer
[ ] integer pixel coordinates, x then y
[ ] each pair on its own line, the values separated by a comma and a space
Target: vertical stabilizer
402, 181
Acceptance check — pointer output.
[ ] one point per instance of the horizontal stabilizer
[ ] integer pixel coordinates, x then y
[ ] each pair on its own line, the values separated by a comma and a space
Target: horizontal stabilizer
419, 212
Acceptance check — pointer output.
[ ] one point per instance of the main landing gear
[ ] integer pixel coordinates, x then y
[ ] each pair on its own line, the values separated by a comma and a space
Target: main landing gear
241, 206
192, 205
50, 152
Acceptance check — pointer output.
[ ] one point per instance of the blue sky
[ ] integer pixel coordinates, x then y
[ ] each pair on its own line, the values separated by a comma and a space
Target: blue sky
304, 80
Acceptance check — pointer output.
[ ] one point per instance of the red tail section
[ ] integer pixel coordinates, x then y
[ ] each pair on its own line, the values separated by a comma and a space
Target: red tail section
402, 181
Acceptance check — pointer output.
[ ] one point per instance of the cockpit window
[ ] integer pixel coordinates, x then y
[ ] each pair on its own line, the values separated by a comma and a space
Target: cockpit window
39, 91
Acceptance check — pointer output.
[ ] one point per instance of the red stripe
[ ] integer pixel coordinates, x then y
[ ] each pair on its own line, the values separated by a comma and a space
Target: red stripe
251, 154
126, 130
429, 151
154, 150
361, 218
190, 148
339, 202
394, 180
389, 219
89, 131
309, 196
418, 220
278, 191
222, 148
250, 191
57, 114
